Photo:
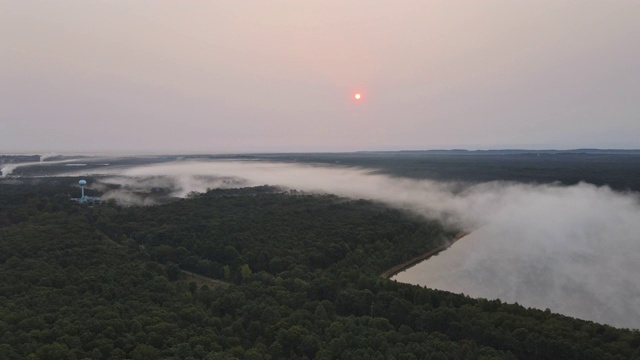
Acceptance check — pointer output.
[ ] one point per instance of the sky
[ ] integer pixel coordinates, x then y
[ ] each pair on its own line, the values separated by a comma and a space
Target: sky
277, 76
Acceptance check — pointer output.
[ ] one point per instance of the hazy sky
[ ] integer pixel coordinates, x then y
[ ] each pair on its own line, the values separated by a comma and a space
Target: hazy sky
240, 76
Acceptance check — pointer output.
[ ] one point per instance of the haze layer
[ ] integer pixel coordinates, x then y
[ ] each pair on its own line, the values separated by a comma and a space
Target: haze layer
572, 249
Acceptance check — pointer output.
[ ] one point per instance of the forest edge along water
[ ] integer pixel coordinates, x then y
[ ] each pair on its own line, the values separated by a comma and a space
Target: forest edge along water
411, 262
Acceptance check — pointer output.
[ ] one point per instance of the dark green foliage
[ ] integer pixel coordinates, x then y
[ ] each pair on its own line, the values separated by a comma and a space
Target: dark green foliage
276, 232
106, 282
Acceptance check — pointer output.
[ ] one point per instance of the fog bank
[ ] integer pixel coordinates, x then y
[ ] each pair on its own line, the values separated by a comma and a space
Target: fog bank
572, 249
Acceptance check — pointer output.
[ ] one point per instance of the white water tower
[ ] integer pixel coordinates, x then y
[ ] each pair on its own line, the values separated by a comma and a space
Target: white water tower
82, 184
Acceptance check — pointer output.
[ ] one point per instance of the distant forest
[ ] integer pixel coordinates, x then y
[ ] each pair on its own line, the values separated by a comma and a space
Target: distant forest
618, 169
253, 273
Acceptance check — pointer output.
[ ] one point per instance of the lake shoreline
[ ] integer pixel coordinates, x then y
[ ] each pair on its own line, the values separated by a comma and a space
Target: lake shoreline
413, 261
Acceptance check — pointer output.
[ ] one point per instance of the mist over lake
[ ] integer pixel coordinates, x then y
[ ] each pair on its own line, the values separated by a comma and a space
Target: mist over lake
571, 249
574, 281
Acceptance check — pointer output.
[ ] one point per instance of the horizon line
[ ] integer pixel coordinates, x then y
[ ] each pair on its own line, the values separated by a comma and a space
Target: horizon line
185, 153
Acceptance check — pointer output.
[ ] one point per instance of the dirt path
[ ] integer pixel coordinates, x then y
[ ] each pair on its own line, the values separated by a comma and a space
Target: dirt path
407, 264
201, 280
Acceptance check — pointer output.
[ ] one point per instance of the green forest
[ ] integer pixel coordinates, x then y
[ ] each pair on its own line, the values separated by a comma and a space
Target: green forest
253, 273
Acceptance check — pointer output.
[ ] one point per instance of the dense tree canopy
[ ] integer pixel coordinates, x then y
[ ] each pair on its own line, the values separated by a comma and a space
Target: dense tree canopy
252, 273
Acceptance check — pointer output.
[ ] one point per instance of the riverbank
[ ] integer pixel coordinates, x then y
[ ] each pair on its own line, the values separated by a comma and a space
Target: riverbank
409, 263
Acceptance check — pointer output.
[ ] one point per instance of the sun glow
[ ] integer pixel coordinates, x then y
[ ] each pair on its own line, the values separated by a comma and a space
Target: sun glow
357, 96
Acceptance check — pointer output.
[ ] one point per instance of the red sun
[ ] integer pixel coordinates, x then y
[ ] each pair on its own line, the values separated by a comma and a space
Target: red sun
357, 96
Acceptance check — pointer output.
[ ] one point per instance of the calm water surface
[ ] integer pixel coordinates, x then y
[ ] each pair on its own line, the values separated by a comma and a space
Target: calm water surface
568, 282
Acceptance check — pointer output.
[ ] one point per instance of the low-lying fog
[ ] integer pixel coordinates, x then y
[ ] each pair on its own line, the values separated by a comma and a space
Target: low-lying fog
572, 249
